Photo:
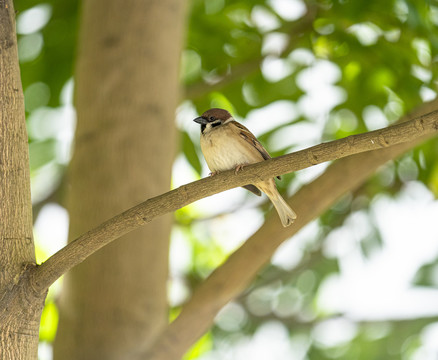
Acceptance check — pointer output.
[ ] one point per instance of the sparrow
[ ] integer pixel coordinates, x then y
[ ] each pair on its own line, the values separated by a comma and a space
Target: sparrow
227, 144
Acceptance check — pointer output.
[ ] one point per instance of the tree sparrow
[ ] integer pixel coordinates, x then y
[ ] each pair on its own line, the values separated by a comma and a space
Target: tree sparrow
226, 144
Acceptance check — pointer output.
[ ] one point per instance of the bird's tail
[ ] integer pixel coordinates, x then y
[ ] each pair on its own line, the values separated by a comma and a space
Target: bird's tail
286, 214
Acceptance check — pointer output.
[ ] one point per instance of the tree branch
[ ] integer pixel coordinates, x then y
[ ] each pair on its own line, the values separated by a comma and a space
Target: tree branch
78, 250
231, 278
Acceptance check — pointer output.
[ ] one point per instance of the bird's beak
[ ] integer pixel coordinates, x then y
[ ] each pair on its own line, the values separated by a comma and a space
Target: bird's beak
200, 120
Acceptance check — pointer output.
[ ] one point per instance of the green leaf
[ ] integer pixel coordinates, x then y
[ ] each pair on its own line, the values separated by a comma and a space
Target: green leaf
203, 345
189, 150
49, 322
41, 153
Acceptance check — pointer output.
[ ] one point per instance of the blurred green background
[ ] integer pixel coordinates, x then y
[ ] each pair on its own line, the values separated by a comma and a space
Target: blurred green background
359, 282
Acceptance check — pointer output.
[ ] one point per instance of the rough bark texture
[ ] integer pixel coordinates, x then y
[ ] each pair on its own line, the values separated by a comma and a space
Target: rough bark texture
127, 82
20, 309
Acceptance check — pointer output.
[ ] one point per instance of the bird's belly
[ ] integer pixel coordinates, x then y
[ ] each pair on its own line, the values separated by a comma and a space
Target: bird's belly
221, 153
226, 160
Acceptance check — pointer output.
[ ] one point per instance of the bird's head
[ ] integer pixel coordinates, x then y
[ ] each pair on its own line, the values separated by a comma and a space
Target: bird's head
213, 118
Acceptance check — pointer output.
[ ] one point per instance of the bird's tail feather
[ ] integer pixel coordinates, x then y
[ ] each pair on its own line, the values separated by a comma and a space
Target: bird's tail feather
286, 214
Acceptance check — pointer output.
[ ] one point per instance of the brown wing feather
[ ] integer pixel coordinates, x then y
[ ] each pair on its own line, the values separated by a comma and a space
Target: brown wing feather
254, 189
252, 140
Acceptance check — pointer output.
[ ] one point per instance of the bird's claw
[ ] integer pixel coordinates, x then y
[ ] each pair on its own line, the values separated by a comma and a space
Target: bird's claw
238, 168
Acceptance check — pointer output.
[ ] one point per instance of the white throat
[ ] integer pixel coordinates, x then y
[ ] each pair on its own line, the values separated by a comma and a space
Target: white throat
216, 124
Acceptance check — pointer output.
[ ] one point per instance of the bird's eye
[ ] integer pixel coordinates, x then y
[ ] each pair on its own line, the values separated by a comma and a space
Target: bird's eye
211, 118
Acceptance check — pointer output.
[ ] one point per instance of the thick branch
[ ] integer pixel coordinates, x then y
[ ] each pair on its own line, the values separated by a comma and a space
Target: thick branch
20, 311
78, 250
231, 278
16, 242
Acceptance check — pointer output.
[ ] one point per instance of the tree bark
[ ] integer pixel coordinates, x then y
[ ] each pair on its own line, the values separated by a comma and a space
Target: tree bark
20, 307
126, 95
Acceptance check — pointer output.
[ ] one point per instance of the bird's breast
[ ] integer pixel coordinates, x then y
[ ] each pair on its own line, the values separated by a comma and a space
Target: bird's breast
224, 150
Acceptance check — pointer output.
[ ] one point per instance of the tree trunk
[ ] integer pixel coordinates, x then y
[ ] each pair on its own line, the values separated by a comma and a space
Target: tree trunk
20, 308
126, 94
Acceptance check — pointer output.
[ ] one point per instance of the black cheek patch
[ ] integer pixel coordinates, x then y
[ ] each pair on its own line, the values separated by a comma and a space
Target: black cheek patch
203, 126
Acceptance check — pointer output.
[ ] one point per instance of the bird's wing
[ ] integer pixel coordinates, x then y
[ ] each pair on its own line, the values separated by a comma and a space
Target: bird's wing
247, 135
254, 189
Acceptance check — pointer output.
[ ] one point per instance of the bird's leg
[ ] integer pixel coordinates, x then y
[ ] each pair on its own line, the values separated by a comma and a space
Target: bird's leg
238, 168
213, 173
